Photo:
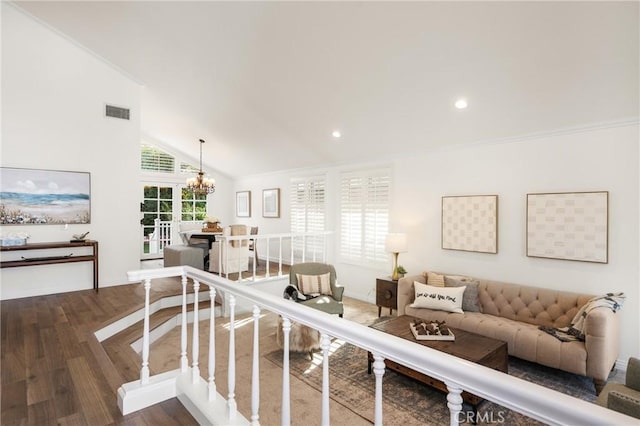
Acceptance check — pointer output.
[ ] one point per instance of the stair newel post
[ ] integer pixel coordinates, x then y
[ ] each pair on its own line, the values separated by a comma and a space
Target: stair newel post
286, 406
184, 361
231, 398
378, 370
255, 373
325, 343
195, 350
144, 371
454, 402
212, 344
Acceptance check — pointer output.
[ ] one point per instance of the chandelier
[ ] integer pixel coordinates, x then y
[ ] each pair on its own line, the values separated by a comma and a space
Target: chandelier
201, 184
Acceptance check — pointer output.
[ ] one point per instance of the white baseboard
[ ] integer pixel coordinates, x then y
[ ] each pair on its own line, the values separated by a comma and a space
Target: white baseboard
621, 365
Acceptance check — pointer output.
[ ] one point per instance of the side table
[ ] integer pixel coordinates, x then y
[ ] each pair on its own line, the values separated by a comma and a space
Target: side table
386, 294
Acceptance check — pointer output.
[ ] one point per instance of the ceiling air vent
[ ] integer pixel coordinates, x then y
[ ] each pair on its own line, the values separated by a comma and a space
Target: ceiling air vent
117, 112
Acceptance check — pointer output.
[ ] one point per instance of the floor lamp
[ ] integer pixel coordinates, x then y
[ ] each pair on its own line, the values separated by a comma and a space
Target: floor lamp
395, 243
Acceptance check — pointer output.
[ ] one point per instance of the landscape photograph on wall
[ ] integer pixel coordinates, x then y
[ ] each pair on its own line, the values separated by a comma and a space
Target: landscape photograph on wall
44, 197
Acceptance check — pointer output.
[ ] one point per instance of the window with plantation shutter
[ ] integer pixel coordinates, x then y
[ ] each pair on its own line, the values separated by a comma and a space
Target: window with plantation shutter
308, 212
188, 168
364, 216
156, 160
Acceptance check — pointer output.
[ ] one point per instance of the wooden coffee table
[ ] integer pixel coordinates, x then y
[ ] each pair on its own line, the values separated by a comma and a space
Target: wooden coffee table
482, 350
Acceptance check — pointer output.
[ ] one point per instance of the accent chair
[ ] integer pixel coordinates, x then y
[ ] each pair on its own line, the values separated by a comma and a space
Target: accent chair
332, 303
624, 398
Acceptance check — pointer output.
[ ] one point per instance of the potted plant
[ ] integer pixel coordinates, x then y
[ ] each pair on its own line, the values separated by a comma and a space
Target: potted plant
401, 271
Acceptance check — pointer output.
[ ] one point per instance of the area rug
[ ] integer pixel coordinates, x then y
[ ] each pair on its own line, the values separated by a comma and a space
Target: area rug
407, 402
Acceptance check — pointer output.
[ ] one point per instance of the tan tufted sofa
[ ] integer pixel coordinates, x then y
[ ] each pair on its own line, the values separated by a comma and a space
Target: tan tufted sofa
513, 312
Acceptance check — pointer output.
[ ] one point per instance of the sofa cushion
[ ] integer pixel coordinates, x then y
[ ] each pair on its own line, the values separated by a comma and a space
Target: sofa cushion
438, 298
434, 279
533, 305
470, 296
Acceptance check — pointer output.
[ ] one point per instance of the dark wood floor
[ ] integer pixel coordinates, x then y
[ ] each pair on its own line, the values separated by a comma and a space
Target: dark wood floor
53, 369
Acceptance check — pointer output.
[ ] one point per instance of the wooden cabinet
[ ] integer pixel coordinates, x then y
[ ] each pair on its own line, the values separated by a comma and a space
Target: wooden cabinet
386, 294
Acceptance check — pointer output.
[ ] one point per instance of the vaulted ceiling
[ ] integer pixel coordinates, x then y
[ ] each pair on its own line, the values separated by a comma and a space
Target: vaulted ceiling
266, 83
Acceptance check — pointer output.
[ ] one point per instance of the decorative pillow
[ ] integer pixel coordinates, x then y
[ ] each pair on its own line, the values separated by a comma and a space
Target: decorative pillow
470, 297
438, 298
434, 279
315, 284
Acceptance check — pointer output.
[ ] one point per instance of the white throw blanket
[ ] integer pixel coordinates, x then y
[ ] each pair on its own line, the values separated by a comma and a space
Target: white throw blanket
575, 331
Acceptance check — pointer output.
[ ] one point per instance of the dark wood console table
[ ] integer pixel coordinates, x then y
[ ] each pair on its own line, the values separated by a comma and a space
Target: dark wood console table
48, 260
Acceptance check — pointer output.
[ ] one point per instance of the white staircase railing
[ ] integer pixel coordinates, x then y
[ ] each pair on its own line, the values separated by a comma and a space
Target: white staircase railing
206, 404
279, 249
160, 237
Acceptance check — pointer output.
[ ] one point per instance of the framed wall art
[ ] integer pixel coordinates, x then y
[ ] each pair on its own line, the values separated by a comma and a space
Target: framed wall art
44, 197
470, 223
271, 202
243, 204
568, 226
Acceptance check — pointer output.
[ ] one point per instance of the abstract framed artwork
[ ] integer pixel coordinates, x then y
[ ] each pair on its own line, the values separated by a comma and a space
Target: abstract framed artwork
568, 226
243, 204
470, 223
44, 197
271, 202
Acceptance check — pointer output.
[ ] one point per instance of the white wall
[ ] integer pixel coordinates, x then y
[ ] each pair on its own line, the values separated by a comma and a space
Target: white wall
588, 160
605, 159
53, 99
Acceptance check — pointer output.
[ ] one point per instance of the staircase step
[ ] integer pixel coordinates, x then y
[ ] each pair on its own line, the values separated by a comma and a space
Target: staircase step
119, 346
134, 331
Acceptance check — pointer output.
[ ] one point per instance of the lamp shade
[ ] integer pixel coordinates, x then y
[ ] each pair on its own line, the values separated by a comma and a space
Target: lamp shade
396, 243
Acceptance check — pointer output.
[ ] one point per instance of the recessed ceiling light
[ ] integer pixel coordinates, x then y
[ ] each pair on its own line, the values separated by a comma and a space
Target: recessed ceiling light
336, 134
461, 103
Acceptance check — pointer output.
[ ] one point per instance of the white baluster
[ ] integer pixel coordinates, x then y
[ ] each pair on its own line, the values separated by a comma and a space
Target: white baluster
304, 248
231, 398
144, 371
291, 249
268, 256
212, 344
378, 370
454, 402
184, 361
226, 259
286, 406
195, 350
314, 238
255, 256
280, 258
255, 373
325, 343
